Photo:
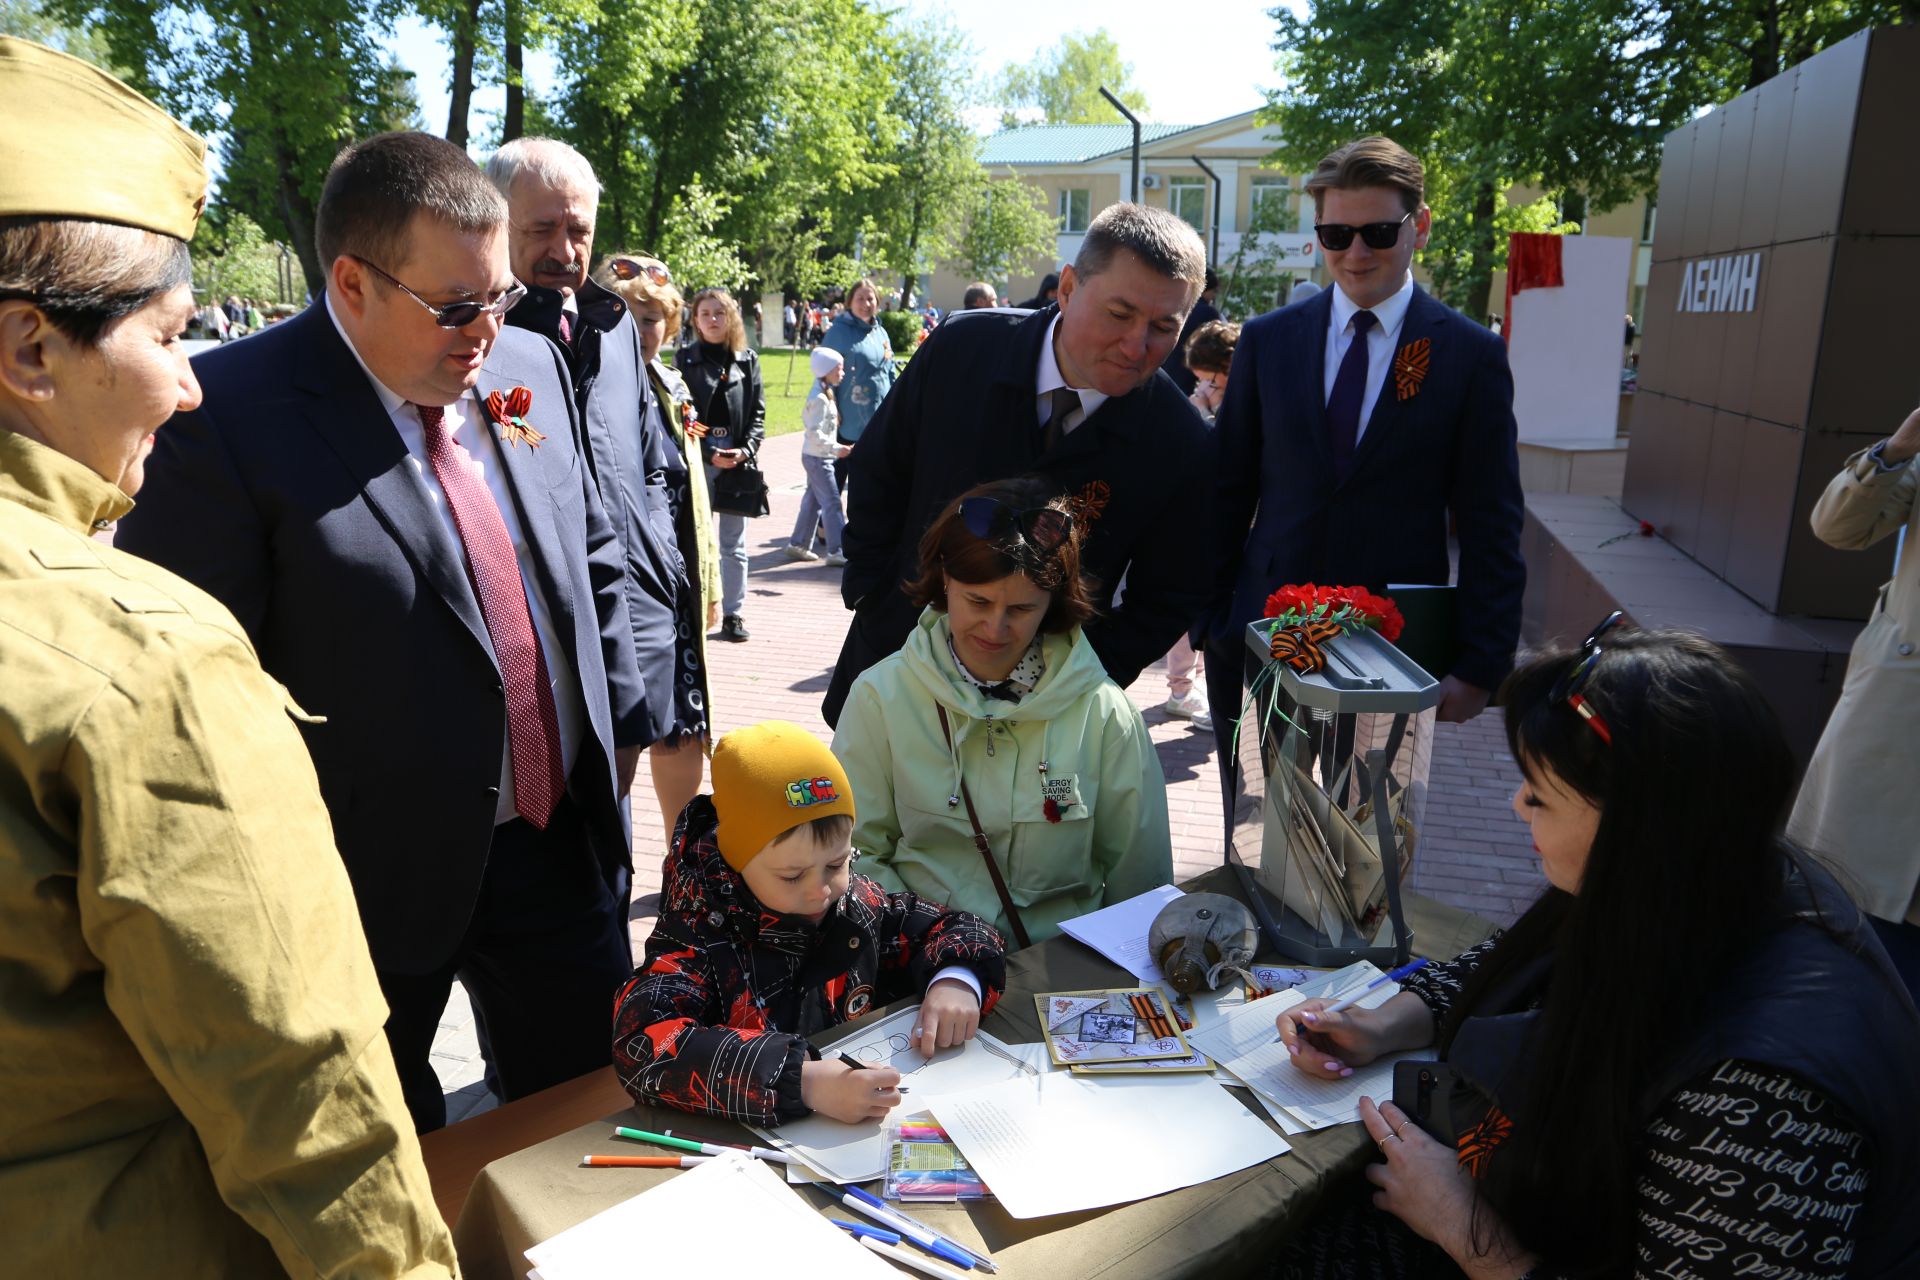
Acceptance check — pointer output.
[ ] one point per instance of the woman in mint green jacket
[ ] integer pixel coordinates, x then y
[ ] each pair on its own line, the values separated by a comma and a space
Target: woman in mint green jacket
998, 699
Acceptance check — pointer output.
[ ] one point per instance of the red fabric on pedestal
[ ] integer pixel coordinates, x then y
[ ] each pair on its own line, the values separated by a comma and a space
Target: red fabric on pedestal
1533, 262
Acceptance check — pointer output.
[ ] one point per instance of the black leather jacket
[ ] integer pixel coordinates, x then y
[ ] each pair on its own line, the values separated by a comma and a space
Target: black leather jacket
746, 398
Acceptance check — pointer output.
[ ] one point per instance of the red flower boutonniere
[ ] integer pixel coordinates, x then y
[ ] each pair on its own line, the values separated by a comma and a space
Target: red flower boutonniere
510, 417
1052, 809
1410, 368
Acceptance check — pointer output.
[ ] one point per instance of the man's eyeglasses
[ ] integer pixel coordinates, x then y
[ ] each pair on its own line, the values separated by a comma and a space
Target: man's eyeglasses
1044, 528
626, 267
456, 315
1336, 236
1572, 683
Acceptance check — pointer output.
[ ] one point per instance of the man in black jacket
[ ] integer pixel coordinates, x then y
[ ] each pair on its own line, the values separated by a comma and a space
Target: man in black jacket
1073, 393
552, 195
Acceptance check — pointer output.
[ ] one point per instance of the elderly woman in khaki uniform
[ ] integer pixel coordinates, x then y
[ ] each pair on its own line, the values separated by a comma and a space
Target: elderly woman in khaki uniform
1860, 804
193, 1078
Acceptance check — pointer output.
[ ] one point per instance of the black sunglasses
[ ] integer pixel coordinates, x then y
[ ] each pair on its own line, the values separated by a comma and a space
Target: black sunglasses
1378, 235
456, 315
627, 266
1044, 528
1572, 683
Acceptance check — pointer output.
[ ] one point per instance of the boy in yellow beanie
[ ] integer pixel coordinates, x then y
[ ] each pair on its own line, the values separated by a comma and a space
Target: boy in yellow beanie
767, 937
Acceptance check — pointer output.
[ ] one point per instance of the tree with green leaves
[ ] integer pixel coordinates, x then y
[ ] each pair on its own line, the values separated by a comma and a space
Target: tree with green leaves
233, 257
1576, 99
288, 84
28, 20
915, 216
1009, 226
769, 108
1064, 83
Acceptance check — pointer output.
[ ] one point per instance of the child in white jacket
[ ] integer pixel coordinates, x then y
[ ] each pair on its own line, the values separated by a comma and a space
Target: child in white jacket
820, 448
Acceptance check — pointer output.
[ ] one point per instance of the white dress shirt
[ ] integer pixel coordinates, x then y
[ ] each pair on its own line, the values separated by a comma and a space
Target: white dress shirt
1050, 379
1389, 317
470, 430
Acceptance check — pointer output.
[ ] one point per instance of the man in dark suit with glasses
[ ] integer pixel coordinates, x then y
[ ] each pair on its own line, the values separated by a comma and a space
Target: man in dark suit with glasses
1357, 424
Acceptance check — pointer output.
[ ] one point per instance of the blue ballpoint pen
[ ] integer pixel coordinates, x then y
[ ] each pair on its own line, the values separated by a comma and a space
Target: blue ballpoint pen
916, 1232
862, 1229
1347, 1002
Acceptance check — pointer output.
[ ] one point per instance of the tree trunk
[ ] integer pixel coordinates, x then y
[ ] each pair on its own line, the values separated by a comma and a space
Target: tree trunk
656, 202
1480, 283
466, 25
296, 211
514, 122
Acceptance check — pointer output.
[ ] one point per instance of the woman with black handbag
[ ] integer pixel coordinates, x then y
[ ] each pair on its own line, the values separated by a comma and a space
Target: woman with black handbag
723, 373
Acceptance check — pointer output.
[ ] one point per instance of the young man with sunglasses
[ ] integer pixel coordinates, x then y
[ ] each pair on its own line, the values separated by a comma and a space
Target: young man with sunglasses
386, 492
1356, 426
1073, 393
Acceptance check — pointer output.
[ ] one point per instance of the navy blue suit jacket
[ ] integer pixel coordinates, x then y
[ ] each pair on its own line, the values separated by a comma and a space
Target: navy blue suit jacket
1449, 447
289, 496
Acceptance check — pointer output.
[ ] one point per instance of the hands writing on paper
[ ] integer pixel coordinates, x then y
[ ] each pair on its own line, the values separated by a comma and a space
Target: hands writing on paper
949, 1015
1330, 1045
835, 1089
1422, 1184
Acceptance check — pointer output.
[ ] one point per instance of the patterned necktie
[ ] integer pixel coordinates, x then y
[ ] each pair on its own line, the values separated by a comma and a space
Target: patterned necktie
1061, 401
533, 726
1349, 392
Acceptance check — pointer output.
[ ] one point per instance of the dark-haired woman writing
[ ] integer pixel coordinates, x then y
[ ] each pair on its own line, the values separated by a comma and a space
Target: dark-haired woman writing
1690, 1058
997, 710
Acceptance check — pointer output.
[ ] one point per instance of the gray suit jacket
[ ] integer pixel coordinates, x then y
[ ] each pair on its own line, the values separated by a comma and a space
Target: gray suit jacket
289, 496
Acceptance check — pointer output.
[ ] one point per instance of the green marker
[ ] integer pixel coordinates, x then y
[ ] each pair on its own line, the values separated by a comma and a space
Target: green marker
700, 1148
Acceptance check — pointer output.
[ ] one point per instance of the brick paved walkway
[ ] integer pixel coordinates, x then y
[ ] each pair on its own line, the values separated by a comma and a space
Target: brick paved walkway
1474, 853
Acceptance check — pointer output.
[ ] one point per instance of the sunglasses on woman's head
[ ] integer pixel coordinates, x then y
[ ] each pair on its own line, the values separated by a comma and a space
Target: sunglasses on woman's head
1378, 235
1572, 683
627, 268
1044, 528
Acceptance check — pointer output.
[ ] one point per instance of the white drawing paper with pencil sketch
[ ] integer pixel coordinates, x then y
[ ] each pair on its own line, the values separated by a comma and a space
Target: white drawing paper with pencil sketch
842, 1152
1244, 1043
1083, 1144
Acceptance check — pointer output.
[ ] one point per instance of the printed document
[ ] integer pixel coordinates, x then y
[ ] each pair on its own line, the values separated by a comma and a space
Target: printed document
1119, 932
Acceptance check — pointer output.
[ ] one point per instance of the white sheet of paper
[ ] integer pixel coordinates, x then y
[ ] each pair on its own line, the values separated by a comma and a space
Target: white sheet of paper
1119, 932
680, 1220
857, 1152
1244, 1042
1104, 1141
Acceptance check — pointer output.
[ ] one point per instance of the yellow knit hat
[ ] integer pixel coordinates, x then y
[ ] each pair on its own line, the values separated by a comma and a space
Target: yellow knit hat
80, 144
768, 779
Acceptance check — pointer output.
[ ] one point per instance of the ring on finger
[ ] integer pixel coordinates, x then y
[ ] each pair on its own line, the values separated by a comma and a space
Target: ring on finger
1382, 1143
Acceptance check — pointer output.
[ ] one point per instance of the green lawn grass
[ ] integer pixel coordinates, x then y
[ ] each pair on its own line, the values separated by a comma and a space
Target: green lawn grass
785, 376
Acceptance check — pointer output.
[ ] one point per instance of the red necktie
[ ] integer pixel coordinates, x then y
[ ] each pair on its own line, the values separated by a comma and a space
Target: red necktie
566, 330
533, 726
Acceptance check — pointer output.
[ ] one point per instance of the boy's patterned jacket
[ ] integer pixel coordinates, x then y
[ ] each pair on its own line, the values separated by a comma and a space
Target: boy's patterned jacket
716, 1018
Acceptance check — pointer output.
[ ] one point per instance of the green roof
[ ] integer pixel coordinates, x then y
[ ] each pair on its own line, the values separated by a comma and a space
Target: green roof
1069, 143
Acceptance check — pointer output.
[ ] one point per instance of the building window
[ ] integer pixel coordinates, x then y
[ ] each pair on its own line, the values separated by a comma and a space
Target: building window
1646, 225
1076, 210
1270, 202
1187, 198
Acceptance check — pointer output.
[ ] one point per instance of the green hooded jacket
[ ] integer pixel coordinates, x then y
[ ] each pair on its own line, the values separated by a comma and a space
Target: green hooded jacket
1076, 739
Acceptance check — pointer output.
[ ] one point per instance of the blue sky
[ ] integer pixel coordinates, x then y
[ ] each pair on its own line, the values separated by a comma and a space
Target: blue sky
1191, 71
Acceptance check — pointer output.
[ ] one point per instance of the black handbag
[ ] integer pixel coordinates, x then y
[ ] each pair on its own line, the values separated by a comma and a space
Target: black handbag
741, 490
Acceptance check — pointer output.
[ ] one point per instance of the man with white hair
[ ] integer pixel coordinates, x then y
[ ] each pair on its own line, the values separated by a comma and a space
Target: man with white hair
551, 195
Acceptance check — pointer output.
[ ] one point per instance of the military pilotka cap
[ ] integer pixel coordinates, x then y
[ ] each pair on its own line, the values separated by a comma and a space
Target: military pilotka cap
79, 144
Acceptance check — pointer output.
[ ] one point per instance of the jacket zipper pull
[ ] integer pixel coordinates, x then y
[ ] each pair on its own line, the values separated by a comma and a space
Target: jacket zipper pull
989, 736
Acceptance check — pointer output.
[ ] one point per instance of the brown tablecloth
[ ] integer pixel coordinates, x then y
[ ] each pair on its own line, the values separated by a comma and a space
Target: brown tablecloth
1218, 1229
